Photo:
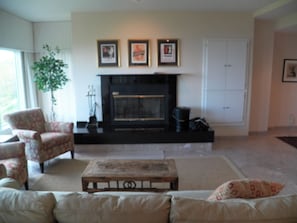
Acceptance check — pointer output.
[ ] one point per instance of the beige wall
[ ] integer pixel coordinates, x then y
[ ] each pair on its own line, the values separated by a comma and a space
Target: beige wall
272, 102
283, 107
190, 28
262, 72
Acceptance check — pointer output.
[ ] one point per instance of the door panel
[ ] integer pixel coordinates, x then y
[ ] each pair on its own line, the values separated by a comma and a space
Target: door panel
216, 50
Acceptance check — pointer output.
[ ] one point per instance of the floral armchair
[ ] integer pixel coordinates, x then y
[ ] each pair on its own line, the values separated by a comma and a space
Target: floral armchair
13, 162
44, 140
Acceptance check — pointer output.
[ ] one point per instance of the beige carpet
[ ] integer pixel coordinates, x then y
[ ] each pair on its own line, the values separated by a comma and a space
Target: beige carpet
194, 174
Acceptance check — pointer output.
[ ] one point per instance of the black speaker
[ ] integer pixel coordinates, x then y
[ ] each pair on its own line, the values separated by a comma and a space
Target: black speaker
181, 116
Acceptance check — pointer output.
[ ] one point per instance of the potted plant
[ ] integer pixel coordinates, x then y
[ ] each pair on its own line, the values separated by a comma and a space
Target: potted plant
49, 74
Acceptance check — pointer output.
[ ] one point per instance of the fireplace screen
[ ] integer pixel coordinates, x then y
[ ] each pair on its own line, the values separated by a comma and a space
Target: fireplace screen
138, 107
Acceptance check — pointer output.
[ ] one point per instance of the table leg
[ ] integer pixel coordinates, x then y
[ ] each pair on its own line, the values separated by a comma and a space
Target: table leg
174, 185
84, 185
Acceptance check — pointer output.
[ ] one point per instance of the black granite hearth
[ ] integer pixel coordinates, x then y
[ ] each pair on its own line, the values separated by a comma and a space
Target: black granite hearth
83, 135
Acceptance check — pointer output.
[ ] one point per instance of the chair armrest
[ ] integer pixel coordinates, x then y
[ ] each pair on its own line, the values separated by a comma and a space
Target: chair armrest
2, 171
66, 127
10, 183
12, 150
25, 134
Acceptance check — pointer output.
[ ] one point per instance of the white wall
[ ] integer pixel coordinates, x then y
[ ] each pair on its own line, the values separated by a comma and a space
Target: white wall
190, 28
16, 33
54, 34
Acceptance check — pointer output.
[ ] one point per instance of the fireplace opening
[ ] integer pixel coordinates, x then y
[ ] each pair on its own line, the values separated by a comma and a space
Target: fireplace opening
138, 101
138, 107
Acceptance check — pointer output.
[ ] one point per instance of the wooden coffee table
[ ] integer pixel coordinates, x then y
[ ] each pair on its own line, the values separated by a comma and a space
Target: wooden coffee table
130, 175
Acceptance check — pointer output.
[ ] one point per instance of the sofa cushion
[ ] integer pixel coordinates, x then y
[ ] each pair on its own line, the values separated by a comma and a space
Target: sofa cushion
75, 207
245, 188
26, 206
276, 209
194, 194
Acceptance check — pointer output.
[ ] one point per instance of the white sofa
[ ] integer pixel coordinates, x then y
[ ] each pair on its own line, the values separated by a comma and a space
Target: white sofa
176, 207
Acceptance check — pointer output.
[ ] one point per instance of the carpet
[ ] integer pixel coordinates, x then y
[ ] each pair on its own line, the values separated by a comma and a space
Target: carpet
202, 173
291, 140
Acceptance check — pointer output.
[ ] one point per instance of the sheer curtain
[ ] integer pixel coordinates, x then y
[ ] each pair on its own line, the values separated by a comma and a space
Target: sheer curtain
65, 109
29, 85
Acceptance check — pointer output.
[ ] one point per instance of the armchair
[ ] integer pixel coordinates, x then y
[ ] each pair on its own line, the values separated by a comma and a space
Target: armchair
43, 140
13, 162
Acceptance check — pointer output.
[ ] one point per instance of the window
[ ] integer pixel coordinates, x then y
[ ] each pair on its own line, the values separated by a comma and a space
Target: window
12, 89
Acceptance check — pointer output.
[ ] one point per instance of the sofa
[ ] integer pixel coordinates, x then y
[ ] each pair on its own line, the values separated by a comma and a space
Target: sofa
174, 206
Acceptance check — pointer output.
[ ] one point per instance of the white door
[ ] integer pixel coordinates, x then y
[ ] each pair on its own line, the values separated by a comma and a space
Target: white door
226, 64
234, 106
236, 58
215, 65
214, 108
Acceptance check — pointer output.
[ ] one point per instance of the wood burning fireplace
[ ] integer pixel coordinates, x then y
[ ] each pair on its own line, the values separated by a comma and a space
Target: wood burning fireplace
138, 101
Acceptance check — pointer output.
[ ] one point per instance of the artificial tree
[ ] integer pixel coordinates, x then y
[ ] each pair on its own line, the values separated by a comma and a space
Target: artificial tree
49, 74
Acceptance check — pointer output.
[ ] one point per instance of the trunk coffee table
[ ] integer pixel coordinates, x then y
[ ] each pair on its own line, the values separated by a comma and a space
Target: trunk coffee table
130, 175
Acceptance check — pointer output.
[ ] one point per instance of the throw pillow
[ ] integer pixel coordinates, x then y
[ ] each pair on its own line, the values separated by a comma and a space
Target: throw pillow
245, 188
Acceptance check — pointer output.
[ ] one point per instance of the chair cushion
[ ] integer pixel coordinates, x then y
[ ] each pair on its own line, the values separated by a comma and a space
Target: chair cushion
12, 167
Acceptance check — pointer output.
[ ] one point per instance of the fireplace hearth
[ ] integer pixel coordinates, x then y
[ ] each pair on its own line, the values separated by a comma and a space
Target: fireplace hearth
138, 101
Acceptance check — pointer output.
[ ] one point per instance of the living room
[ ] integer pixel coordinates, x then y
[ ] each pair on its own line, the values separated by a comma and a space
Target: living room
269, 110
269, 46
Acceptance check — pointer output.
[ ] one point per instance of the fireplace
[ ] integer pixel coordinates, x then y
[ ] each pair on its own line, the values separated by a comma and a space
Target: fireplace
138, 101
138, 109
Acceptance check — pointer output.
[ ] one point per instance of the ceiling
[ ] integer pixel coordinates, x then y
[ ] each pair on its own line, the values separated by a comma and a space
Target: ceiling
60, 10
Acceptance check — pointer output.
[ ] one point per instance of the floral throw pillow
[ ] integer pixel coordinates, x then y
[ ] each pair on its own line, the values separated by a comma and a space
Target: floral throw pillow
245, 188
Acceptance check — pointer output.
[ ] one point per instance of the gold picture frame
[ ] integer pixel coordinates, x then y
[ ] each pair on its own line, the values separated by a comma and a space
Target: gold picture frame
138, 52
168, 52
108, 53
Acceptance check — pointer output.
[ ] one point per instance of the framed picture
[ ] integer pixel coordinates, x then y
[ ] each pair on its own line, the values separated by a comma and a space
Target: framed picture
290, 70
168, 54
108, 53
138, 52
